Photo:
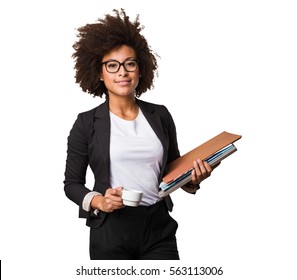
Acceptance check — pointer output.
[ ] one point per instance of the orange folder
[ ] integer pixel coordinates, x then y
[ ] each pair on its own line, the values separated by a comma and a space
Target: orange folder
184, 163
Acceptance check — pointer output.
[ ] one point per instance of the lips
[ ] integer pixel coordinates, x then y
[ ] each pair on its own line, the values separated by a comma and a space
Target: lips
123, 82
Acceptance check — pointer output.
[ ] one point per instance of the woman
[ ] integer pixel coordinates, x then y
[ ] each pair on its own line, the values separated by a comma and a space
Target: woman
126, 142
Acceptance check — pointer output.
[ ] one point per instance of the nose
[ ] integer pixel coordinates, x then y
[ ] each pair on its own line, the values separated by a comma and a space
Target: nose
122, 70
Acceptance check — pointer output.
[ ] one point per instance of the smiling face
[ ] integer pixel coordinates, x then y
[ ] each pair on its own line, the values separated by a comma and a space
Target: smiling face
121, 83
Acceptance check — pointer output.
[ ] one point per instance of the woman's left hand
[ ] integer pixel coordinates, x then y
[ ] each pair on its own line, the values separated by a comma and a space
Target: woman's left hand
201, 171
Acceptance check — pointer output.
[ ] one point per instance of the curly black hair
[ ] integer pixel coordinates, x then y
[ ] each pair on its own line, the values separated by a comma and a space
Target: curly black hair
97, 39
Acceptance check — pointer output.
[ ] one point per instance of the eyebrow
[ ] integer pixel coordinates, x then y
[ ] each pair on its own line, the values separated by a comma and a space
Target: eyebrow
128, 58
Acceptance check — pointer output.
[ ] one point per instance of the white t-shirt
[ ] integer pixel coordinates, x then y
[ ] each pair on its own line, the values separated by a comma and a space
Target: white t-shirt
136, 155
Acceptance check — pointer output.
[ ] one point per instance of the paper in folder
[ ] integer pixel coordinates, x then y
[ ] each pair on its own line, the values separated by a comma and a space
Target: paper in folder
178, 172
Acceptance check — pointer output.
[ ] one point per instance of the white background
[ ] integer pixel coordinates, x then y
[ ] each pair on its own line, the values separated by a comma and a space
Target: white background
225, 65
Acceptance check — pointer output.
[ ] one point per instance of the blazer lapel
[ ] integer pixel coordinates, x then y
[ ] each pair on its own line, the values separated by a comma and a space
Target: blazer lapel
101, 139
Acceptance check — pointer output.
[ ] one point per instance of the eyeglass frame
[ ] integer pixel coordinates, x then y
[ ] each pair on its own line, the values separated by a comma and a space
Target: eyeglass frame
121, 64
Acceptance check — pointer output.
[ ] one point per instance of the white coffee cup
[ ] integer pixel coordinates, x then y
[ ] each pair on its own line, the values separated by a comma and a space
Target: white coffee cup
131, 197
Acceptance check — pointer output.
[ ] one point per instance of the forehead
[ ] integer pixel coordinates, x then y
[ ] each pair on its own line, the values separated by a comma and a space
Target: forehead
120, 53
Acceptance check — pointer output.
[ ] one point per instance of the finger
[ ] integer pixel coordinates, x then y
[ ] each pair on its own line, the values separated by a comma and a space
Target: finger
109, 191
111, 205
194, 177
208, 167
200, 170
197, 169
113, 193
118, 191
196, 174
205, 168
117, 204
201, 166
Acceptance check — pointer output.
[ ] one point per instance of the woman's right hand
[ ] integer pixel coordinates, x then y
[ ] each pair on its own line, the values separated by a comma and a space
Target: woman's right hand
112, 200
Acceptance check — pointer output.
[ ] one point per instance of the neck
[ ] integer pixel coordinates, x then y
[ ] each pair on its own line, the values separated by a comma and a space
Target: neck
125, 108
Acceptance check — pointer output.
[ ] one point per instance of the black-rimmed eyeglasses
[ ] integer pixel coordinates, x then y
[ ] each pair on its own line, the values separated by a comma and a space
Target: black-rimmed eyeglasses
113, 66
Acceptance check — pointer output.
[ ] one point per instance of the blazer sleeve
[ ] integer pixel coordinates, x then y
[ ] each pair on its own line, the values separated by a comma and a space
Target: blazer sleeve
76, 165
173, 151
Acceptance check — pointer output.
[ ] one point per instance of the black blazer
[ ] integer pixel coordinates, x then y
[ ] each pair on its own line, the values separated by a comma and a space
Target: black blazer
88, 144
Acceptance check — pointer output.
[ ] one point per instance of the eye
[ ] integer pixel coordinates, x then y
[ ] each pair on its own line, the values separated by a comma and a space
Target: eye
131, 63
112, 65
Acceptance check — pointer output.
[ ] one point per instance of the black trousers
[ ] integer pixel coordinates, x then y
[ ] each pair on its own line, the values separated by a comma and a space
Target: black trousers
136, 233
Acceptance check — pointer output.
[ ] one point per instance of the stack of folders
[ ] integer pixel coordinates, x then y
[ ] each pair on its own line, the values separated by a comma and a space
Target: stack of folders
213, 151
